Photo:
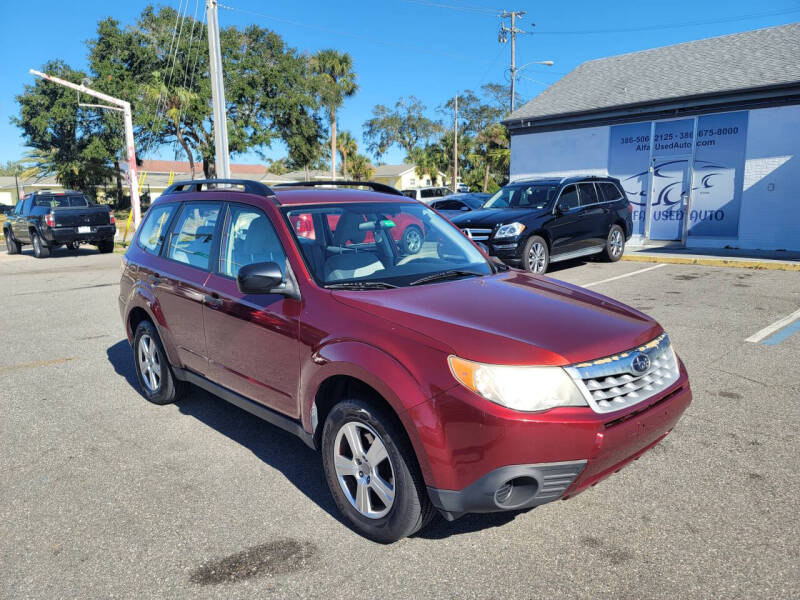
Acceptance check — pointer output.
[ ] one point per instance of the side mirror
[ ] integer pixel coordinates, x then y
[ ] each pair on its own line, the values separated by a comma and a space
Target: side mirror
465, 208
561, 209
260, 278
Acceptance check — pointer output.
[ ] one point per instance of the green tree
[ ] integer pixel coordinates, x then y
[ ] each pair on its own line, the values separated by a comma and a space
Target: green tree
347, 147
335, 80
66, 141
278, 166
269, 93
360, 168
405, 126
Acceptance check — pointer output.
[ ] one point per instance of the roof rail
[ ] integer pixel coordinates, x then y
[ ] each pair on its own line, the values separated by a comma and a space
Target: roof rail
373, 185
233, 185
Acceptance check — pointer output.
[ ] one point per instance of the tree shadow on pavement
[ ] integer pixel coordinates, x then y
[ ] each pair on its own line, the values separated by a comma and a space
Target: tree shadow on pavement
283, 451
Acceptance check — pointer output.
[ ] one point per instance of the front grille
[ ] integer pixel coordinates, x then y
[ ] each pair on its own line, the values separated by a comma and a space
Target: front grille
478, 235
614, 382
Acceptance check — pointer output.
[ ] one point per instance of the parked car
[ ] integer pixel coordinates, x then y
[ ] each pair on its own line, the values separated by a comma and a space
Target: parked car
6, 208
455, 204
535, 222
47, 220
427, 194
462, 188
408, 231
418, 397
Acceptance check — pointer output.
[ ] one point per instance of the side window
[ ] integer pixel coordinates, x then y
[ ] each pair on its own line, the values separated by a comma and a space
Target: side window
248, 238
588, 194
154, 229
569, 198
609, 191
193, 237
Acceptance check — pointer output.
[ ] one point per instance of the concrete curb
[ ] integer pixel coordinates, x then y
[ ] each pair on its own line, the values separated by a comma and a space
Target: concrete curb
740, 263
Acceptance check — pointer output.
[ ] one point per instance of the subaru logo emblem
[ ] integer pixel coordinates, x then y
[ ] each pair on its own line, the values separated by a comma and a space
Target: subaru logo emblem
640, 363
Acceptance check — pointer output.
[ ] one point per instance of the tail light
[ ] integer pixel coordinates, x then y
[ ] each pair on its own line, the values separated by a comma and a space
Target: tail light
630, 207
49, 220
111, 218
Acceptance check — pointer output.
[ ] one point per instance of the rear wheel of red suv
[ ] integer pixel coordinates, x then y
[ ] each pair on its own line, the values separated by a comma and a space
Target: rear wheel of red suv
155, 375
372, 473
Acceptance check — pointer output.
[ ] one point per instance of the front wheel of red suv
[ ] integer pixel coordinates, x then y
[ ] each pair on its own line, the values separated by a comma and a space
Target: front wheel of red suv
372, 473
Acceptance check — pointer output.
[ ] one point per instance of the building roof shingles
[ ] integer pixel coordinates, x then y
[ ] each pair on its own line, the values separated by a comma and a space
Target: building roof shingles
743, 61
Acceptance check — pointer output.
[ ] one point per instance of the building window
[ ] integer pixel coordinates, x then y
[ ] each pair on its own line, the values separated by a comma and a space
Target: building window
412, 181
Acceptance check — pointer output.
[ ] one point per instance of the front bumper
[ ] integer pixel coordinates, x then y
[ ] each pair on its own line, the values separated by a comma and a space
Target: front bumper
507, 250
62, 235
476, 447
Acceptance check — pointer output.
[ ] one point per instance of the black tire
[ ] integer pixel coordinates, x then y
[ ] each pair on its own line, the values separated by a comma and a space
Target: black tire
411, 509
106, 246
168, 389
12, 245
412, 239
536, 255
40, 249
615, 244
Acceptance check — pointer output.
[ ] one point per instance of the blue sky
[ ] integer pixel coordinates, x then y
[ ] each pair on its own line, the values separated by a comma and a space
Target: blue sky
431, 49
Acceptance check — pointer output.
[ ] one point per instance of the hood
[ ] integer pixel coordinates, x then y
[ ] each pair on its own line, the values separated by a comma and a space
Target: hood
489, 217
511, 318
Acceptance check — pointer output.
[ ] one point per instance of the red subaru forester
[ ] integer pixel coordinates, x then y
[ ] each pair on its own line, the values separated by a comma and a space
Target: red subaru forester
434, 380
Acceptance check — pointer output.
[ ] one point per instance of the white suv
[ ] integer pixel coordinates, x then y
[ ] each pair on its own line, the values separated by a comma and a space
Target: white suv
427, 194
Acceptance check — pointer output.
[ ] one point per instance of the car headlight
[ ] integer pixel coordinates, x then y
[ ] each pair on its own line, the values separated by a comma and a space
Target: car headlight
527, 389
509, 230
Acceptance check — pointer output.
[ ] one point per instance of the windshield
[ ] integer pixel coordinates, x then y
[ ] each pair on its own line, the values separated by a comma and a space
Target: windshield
391, 244
537, 196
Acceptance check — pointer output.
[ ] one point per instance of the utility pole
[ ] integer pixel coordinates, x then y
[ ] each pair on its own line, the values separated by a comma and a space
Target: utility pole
222, 159
125, 108
503, 38
455, 149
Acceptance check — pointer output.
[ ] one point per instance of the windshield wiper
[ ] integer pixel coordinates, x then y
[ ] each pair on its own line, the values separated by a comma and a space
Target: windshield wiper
360, 285
445, 275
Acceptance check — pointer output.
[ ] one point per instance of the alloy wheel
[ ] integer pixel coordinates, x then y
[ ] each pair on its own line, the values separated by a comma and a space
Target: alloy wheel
536, 257
149, 363
616, 242
413, 240
364, 469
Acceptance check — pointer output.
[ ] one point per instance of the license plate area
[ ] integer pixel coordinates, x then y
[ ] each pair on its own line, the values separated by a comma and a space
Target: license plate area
84, 229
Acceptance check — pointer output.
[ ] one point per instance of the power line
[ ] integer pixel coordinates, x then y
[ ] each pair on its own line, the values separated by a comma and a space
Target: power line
348, 34
671, 26
461, 7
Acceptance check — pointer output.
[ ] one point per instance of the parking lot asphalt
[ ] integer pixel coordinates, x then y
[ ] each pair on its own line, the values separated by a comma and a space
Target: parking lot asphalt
106, 495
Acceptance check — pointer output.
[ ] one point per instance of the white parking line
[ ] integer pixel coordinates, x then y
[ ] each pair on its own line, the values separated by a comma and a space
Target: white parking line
625, 275
770, 329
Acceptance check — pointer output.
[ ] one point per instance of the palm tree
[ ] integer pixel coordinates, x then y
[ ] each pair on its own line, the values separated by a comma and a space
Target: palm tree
333, 71
361, 168
347, 147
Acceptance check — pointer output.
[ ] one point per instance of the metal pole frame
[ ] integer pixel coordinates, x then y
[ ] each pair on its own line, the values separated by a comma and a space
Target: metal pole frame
222, 156
129, 143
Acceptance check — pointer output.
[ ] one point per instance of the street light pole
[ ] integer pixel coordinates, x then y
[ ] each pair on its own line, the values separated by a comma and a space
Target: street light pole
129, 145
222, 160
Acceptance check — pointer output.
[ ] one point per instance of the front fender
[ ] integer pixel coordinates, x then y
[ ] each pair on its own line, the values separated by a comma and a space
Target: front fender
370, 364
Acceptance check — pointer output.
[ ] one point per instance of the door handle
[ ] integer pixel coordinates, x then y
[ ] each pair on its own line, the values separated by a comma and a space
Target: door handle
212, 301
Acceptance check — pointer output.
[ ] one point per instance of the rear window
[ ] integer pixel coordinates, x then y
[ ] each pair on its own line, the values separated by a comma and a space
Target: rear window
609, 191
588, 194
64, 201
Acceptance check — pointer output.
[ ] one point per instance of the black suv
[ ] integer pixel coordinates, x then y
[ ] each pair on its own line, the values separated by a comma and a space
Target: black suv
533, 222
